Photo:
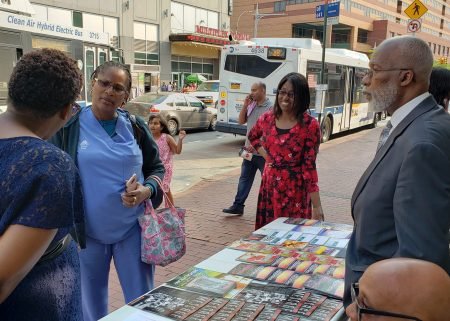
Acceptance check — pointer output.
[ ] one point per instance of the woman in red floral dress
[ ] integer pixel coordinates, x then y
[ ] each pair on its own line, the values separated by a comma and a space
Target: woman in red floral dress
288, 138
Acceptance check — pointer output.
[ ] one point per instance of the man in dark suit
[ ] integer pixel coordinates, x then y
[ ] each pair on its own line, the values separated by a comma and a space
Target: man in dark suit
401, 204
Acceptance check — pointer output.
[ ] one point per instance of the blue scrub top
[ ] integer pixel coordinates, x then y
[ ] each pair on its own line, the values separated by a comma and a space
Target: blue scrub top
105, 164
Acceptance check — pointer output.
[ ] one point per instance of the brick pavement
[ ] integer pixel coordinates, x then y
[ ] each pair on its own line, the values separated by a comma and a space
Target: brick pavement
341, 162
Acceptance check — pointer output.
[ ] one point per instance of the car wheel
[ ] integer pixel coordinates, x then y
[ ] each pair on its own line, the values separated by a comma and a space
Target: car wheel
212, 125
172, 125
326, 129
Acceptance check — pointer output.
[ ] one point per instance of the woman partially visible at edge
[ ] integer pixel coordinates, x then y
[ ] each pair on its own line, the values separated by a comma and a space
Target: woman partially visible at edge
288, 137
41, 199
109, 146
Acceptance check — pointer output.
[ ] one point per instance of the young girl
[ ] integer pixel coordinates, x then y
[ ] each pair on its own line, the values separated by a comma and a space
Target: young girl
167, 147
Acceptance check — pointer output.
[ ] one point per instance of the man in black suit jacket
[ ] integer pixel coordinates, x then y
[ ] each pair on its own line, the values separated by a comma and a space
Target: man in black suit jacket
401, 204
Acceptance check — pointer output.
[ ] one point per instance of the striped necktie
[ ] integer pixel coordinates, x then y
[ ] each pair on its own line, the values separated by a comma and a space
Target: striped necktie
384, 135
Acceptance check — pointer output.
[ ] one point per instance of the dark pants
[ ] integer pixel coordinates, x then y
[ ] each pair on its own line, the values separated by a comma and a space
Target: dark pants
248, 172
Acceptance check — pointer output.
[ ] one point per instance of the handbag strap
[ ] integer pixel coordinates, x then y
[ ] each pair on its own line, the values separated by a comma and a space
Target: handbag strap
166, 198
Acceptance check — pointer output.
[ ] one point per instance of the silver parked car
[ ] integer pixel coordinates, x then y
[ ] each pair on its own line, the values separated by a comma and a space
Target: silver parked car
180, 110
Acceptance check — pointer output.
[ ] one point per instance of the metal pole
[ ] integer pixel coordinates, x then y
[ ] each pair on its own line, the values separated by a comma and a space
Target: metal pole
255, 28
324, 41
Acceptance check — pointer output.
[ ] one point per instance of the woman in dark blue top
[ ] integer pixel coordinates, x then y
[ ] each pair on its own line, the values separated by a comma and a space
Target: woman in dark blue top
41, 199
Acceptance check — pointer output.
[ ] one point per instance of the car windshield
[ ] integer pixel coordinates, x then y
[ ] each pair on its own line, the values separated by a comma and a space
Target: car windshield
208, 86
150, 98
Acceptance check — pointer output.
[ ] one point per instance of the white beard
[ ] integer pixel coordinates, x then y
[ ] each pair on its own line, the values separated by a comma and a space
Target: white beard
383, 98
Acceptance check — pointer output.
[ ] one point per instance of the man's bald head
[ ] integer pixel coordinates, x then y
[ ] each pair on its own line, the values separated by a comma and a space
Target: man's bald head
408, 286
409, 52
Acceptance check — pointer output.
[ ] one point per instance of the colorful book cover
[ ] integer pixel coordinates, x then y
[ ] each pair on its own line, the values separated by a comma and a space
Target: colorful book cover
258, 258
285, 263
299, 282
254, 271
337, 272
290, 244
327, 285
303, 266
321, 250
280, 276
250, 246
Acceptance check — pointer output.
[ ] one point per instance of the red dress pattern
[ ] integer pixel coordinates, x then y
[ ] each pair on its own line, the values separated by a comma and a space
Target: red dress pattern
290, 173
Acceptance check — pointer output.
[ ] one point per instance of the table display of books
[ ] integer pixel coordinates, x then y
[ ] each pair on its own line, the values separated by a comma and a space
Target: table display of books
295, 272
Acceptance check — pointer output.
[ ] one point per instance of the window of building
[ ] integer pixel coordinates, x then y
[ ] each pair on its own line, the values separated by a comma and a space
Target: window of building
279, 6
77, 19
304, 30
362, 35
184, 18
146, 44
188, 65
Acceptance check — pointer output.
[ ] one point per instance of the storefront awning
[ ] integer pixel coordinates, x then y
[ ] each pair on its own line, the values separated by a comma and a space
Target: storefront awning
22, 7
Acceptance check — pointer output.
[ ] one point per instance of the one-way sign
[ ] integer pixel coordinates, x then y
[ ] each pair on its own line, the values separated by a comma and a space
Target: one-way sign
332, 10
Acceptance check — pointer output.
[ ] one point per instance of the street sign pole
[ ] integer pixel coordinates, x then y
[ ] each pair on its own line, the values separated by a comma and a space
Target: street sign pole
322, 71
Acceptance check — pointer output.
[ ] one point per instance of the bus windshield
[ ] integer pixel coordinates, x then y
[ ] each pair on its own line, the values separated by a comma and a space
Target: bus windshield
250, 65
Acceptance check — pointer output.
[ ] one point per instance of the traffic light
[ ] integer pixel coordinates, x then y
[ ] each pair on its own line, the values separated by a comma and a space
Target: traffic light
443, 60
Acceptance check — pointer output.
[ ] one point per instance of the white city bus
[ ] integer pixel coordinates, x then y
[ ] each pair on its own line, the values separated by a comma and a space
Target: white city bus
269, 59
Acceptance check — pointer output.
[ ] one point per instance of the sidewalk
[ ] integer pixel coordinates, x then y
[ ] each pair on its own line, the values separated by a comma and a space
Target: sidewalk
341, 163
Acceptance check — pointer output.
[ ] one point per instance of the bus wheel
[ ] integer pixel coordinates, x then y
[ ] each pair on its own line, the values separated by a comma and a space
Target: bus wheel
326, 129
172, 126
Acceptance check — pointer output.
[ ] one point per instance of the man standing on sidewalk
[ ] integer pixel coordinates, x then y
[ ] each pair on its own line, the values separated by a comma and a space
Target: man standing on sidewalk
255, 104
401, 204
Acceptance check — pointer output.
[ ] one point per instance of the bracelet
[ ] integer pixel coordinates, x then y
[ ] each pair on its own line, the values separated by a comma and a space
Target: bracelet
150, 188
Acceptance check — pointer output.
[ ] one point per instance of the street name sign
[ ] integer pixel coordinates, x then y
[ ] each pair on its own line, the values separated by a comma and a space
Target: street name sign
416, 10
332, 12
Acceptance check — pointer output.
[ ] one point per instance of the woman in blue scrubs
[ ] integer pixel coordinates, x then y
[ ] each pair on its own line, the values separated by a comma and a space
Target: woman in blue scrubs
108, 147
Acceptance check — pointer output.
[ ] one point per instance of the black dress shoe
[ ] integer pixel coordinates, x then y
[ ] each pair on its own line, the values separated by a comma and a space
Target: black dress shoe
234, 210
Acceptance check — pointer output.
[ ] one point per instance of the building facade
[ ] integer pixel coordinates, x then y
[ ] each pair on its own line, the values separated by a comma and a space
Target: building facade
361, 25
160, 40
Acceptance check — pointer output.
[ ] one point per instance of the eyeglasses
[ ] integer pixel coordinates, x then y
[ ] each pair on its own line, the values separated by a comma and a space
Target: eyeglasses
371, 72
75, 108
283, 93
105, 84
360, 310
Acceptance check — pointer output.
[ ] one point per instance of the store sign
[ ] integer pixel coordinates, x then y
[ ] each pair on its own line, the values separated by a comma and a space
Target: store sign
220, 33
23, 23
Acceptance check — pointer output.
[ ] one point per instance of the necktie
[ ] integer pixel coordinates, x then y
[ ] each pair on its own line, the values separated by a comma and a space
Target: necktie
384, 135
